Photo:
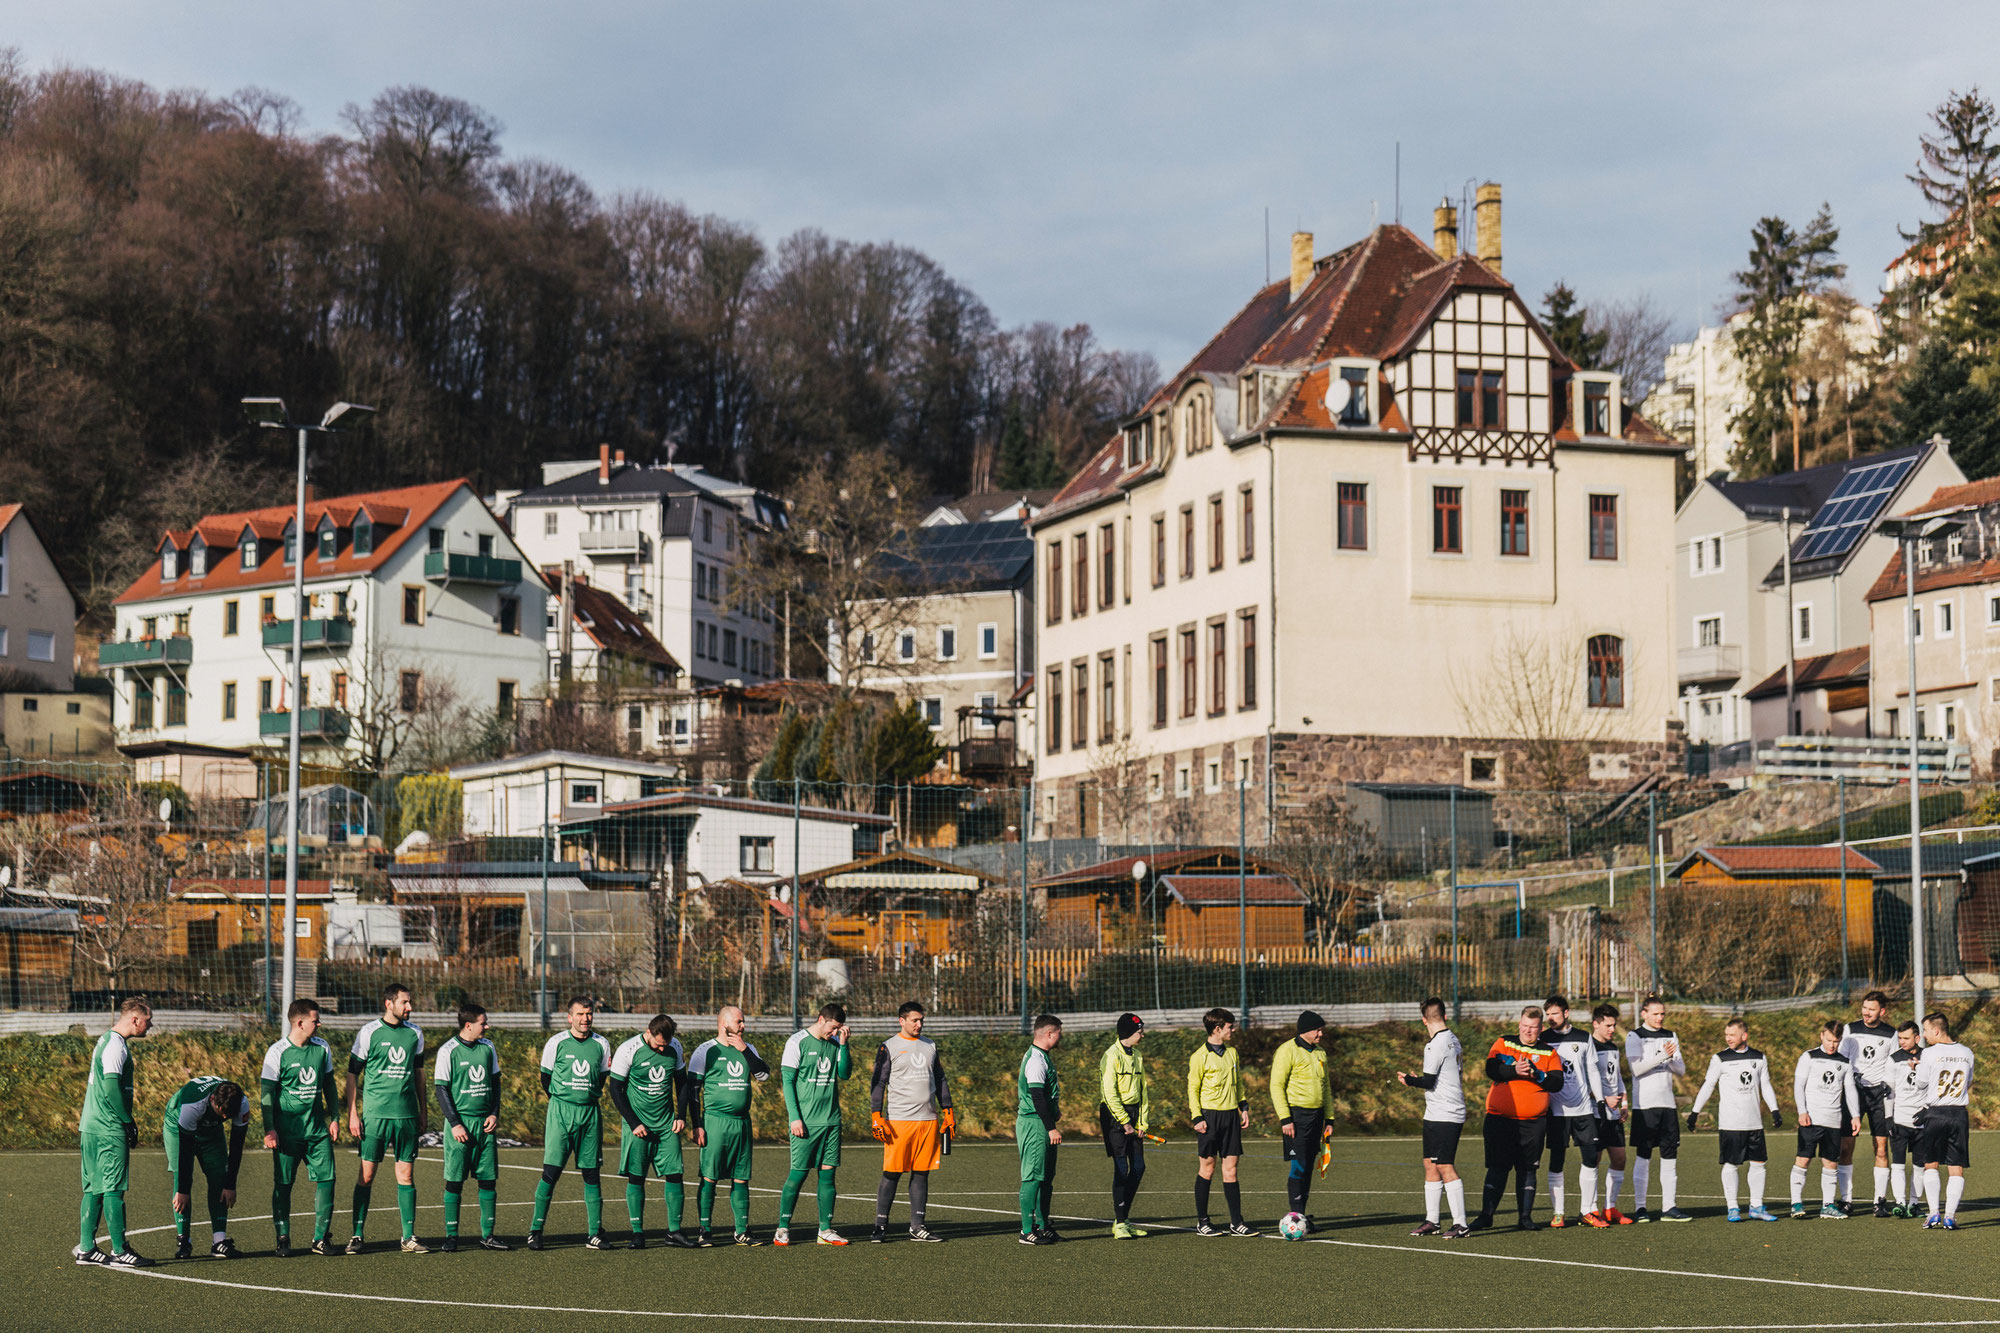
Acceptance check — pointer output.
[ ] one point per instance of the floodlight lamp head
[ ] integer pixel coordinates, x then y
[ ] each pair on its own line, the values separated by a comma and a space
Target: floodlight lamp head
1139, 871
265, 412
346, 416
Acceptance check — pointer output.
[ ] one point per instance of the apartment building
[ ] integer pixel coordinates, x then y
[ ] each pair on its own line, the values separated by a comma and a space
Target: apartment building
1735, 593
1330, 546
37, 609
664, 539
417, 601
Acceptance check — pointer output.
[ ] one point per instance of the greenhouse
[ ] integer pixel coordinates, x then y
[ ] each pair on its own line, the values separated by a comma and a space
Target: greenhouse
329, 816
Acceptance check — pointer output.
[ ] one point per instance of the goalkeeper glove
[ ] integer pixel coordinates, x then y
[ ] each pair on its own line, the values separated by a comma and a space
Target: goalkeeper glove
1777, 1120
131, 1135
1692, 1117
950, 1118
880, 1128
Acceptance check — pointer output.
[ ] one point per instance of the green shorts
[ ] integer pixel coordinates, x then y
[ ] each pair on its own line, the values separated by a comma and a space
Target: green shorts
316, 1152
395, 1138
478, 1157
1031, 1136
819, 1148
658, 1154
106, 1163
726, 1154
211, 1155
573, 1131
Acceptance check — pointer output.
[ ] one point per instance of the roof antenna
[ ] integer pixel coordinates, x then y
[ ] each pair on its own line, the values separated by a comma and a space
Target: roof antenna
1267, 245
1399, 182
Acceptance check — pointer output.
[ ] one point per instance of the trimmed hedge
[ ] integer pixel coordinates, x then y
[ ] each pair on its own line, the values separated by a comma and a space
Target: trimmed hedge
42, 1078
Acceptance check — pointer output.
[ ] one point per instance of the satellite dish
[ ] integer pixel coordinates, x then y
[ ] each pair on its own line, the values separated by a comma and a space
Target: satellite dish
166, 810
6, 876
1138, 870
1338, 393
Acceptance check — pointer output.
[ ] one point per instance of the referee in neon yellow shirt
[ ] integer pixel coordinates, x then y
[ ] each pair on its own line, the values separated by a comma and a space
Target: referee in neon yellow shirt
1216, 1101
1298, 1092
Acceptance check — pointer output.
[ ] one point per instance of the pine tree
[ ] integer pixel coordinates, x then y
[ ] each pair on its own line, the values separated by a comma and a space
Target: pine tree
1568, 326
1780, 287
1956, 176
1939, 396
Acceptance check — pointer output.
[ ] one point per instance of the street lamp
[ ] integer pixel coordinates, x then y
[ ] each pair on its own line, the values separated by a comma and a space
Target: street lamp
1910, 531
270, 413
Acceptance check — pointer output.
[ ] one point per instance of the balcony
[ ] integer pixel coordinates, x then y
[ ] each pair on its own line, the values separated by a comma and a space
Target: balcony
177, 650
315, 635
1709, 663
612, 541
315, 724
457, 567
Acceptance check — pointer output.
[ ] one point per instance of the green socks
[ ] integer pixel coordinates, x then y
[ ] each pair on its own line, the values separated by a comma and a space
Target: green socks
739, 1204
1031, 1199
181, 1221
86, 1221
827, 1193
281, 1210
593, 1207
635, 1204
788, 1197
114, 1220
362, 1193
704, 1200
676, 1201
218, 1211
543, 1191
489, 1205
406, 1204
454, 1195
322, 1209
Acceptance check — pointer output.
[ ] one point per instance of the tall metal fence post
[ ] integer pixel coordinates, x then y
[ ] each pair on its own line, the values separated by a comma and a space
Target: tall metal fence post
1456, 1007
1840, 803
543, 998
1242, 907
1653, 880
264, 811
797, 906
1027, 798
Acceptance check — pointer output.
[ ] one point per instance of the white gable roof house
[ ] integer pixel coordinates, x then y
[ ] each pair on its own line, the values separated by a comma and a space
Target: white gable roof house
504, 797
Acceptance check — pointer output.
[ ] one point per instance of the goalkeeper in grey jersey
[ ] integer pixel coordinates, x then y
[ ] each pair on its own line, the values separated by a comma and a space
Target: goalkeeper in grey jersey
1739, 1078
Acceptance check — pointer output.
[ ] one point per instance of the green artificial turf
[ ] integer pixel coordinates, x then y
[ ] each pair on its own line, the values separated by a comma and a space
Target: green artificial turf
1362, 1272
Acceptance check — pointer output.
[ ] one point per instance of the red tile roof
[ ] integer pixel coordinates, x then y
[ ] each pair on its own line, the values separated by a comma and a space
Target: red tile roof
616, 628
1849, 666
1970, 495
414, 504
1207, 890
1779, 861
7, 513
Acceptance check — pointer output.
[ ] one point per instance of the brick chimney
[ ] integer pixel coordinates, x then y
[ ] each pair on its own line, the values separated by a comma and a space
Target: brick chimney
1444, 230
619, 458
1486, 214
311, 491
603, 465
1302, 261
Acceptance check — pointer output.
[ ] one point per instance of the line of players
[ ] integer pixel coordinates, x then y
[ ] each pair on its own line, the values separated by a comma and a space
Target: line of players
1561, 1087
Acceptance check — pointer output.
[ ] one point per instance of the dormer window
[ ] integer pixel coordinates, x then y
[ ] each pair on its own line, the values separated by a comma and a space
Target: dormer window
1596, 405
291, 543
248, 551
1351, 392
1139, 443
1248, 408
364, 535
170, 563
329, 541
198, 558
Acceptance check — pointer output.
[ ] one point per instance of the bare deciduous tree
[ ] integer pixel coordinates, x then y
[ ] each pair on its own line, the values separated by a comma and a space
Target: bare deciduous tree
1530, 691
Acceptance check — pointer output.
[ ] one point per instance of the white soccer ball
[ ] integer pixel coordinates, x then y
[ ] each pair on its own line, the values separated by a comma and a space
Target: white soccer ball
1292, 1226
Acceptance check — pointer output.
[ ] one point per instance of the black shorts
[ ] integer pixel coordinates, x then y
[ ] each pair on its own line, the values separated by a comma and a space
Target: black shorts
1906, 1141
1946, 1136
1223, 1137
1820, 1141
1567, 1129
1303, 1141
1118, 1140
1441, 1141
1743, 1145
1513, 1145
1656, 1128
1875, 1111
1610, 1133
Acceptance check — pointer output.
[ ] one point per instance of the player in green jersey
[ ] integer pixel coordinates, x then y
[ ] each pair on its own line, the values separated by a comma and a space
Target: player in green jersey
385, 1110
107, 1134
575, 1064
1038, 1106
646, 1073
721, 1074
812, 1069
301, 1110
466, 1081
192, 1129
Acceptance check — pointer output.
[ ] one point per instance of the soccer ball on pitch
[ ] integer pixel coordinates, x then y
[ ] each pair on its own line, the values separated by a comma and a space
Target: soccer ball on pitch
1292, 1226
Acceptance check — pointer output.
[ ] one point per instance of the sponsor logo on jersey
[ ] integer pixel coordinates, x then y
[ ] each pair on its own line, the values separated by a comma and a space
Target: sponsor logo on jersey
476, 1074
581, 1066
825, 1064
656, 1074
733, 1068
1829, 1078
396, 1055
307, 1076
1745, 1079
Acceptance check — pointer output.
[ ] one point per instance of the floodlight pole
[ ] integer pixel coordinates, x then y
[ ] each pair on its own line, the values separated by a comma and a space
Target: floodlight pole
297, 685
1916, 804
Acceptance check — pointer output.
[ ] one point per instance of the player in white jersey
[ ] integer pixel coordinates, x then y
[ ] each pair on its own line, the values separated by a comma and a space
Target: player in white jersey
1572, 1110
1944, 1073
1653, 1053
1612, 1108
1739, 1077
1905, 1140
1868, 1043
1829, 1110
1443, 1084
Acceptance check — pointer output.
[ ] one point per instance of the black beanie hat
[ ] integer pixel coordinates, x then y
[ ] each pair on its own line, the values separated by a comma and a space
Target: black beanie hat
1129, 1024
1309, 1020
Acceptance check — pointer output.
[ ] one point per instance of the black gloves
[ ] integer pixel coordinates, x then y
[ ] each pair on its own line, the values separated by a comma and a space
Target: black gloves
1692, 1117
131, 1135
1777, 1120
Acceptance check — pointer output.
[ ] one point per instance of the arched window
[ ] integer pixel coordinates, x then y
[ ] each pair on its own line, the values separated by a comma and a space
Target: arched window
1606, 681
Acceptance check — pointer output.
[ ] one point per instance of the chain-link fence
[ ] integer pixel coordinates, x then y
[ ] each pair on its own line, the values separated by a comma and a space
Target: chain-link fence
1360, 900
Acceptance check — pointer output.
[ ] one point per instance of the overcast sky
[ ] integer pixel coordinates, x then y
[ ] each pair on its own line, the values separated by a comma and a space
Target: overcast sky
1111, 162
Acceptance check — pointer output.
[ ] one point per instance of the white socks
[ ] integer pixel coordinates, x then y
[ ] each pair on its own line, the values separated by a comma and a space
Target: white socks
1729, 1186
1881, 1182
1798, 1186
1614, 1180
1587, 1188
1670, 1172
1899, 1185
1641, 1170
1846, 1174
1954, 1190
1454, 1193
1829, 1185
1557, 1193
1756, 1184
1931, 1189
1433, 1192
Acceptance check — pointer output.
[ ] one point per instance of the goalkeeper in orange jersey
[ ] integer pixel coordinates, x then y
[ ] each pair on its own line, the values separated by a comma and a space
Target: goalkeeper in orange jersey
1525, 1071
911, 1103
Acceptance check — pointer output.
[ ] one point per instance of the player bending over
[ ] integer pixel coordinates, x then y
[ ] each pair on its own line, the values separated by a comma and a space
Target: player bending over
910, 1105
646, 1076
1944, 1072
575, 1065
1829, 1110
816, 1062
1443, 1082
466, 1082
301, 1109
1739, 1076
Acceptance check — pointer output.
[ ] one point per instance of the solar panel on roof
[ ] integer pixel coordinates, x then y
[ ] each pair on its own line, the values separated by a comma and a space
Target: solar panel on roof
1851, 509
